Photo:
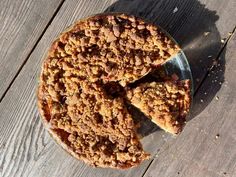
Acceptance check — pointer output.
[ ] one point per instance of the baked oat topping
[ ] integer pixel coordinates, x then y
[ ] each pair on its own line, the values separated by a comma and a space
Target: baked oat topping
81, 89
112, 48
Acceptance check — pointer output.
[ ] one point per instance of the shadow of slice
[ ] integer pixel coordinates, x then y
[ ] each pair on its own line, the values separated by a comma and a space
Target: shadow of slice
144, 125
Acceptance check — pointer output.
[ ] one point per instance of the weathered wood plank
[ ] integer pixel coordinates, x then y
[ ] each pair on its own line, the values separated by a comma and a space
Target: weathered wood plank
207, 147
21, 24
22, 137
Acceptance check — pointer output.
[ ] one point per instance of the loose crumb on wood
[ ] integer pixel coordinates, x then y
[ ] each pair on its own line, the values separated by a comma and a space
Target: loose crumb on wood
206, 33
175, 10
215, 62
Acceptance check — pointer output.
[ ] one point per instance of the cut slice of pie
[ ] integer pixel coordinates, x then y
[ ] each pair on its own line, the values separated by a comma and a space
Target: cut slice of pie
165, 103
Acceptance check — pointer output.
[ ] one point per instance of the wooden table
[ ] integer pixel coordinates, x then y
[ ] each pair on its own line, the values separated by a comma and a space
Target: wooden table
206, 31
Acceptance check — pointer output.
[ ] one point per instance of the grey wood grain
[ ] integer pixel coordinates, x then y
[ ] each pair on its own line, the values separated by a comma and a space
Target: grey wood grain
207, 147
27, 150
21, 24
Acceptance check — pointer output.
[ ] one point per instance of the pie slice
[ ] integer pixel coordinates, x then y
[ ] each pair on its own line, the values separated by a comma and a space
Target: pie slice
165, 103
92, 127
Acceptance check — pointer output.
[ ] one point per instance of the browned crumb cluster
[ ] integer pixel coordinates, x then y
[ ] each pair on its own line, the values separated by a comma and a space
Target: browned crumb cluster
81, 76
112, 48
166, 103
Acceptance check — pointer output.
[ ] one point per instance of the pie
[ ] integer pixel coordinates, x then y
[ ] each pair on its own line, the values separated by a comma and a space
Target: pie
82, 90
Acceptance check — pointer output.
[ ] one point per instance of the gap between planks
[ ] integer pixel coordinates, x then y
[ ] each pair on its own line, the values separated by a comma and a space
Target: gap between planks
217, 59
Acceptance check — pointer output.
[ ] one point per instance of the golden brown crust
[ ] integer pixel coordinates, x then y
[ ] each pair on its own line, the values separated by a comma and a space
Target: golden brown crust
166, 104
76, 108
